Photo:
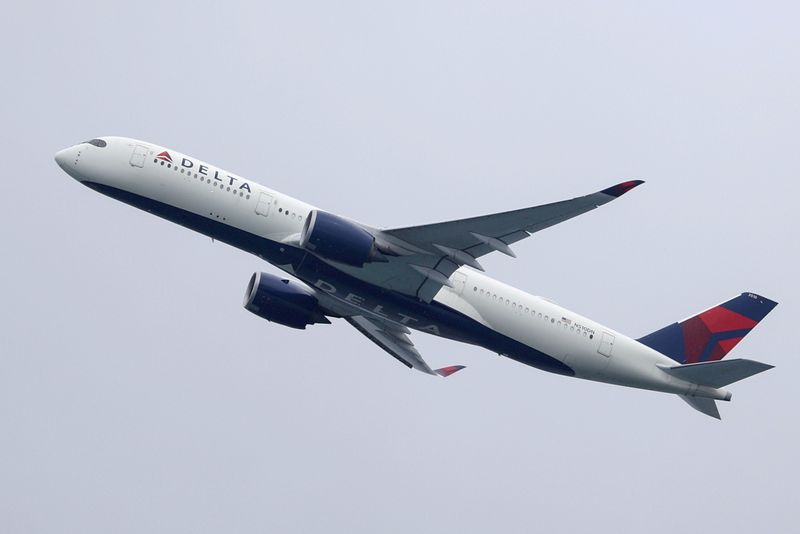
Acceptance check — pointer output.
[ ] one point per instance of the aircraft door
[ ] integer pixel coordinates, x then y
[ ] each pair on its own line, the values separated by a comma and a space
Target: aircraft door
593, 364
264, 204
606, 344
459, 281
138, 156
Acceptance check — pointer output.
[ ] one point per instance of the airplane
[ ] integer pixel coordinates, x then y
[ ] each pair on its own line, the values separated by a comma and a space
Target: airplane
388, 282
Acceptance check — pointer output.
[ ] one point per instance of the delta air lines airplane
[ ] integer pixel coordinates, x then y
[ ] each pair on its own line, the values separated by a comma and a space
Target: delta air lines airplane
388, 282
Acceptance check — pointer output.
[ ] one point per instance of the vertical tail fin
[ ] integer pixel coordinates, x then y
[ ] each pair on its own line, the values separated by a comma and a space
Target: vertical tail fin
710, 335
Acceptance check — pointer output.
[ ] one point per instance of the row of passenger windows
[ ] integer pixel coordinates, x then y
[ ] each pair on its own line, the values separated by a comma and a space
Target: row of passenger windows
286, 212
528, 311
214, 183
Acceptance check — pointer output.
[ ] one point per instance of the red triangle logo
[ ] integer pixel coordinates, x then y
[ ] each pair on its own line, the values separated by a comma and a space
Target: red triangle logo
164, 156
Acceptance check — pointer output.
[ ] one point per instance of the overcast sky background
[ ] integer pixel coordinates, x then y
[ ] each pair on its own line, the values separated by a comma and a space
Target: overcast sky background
136, 395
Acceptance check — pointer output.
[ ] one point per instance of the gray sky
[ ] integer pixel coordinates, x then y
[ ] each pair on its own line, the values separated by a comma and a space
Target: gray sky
136, 395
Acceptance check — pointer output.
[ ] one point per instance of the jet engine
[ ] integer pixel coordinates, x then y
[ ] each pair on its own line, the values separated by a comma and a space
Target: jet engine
338, 239
282, 301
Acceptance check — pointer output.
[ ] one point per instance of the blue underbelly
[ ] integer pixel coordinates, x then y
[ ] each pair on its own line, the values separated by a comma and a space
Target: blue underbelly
430, 317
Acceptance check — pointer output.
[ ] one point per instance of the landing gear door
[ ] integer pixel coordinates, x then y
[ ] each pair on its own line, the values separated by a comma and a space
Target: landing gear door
138, 156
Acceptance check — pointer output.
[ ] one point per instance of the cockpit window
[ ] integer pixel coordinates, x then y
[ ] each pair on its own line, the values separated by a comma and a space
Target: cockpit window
97, 142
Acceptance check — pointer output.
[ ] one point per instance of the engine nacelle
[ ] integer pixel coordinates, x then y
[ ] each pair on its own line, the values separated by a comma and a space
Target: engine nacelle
338, 239
282, 301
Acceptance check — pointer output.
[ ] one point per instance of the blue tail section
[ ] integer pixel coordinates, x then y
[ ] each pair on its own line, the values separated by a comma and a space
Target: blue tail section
710, 335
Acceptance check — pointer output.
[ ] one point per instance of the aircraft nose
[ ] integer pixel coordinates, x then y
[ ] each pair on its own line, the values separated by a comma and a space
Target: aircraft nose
67, 159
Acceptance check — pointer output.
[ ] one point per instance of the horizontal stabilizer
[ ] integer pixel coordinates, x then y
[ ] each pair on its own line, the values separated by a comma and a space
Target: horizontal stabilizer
447, 371
703, 404
716, 374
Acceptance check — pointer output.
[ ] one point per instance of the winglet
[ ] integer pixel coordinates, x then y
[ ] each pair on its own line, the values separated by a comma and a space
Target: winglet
449, 370
620, 189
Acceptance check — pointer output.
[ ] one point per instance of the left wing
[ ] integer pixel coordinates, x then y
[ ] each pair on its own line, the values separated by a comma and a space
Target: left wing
394, 340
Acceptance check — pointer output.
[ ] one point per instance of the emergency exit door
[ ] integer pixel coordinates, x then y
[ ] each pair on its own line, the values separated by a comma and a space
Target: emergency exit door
459, 281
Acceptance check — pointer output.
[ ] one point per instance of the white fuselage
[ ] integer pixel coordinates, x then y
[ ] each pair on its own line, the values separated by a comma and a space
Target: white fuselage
591, 350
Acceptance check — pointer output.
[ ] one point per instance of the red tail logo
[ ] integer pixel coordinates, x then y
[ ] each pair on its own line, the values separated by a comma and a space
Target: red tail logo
164, 156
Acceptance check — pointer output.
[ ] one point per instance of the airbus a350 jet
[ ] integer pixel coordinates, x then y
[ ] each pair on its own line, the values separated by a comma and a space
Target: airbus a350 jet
388, 282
